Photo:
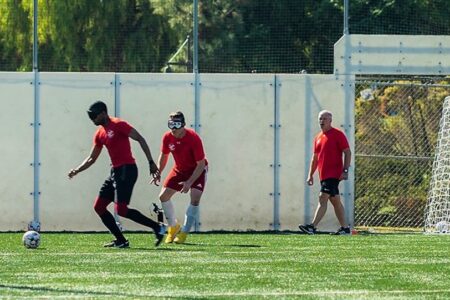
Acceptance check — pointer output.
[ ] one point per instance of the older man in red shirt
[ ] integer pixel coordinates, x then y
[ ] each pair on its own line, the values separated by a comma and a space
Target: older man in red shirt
329, 145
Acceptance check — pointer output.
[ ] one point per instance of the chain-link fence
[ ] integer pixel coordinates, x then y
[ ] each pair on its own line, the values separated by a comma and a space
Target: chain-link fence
397, 124
245, 36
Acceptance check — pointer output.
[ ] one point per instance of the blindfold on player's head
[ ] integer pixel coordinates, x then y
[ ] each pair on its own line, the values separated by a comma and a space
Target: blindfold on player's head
175, 124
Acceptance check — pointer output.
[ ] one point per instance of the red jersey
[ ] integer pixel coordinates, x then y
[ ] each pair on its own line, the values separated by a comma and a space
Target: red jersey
115, 138
329, 147
186, 151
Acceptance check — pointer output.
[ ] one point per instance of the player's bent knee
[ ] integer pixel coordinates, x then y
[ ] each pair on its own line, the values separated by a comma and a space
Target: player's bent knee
100, 205
122, 209
163, 197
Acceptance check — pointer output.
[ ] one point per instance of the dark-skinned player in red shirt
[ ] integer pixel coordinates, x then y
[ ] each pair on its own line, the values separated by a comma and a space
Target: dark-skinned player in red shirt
115, 134
187, 175
329, 146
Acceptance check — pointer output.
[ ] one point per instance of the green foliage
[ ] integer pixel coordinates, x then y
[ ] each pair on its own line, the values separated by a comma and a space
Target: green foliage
237, 266
391, 191
400, 17
396, 134
95, 35
16, 48
283, 36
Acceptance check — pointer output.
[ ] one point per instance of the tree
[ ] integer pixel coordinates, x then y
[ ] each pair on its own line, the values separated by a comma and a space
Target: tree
15, 36
94, 35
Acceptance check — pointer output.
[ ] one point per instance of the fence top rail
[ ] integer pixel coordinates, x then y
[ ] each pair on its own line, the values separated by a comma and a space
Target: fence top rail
395, 156
387, 83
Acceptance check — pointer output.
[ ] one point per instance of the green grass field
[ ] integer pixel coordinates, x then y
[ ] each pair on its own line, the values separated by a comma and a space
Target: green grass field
251, 266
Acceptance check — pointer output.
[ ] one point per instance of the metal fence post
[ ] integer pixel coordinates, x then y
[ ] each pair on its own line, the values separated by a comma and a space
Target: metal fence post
35, 224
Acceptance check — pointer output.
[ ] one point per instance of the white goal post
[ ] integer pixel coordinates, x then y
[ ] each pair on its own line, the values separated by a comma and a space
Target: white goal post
437, 212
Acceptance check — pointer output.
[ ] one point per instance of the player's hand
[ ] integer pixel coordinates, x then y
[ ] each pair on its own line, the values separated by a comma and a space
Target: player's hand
186, 186
153, 168
344, 176
310, 181
72, 173
156, 179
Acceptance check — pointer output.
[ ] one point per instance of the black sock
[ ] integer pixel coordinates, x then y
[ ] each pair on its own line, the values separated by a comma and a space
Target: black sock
137, 217
110, 223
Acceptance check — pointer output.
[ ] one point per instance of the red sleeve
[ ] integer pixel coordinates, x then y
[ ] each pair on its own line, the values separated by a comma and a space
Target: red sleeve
197, 145
96, 139
343, 142
165, 144
124, 127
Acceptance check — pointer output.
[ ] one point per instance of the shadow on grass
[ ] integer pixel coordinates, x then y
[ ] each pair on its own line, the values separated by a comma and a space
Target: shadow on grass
65, 291
222, 245
185, 247
151, 249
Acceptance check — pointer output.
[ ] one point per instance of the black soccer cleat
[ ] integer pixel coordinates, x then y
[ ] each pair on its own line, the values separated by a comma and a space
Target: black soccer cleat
117, 244
343, 231
159, 213
159, 234
307, 228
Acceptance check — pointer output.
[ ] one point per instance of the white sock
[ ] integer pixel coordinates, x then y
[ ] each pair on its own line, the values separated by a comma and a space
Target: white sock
169, 212
190, 217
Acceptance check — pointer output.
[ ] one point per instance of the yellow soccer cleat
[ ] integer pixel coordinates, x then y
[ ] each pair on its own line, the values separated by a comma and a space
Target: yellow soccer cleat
181, 237
172, 233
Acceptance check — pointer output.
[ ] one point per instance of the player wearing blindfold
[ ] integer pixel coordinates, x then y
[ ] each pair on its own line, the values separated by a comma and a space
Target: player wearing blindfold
187, 175
115, 135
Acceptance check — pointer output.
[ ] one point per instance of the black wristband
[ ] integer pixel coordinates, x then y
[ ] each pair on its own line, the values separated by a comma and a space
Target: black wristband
151, 162
345, 170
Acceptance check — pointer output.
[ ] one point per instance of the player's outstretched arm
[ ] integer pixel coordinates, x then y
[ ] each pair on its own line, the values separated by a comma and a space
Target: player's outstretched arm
89, 161
162, 162
135, 135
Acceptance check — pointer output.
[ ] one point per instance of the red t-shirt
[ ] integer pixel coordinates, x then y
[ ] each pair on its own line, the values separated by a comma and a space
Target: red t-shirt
186, 151
329, 147
115, 138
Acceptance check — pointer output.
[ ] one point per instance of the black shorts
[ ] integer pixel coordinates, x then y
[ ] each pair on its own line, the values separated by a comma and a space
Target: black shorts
121, 180
330, 186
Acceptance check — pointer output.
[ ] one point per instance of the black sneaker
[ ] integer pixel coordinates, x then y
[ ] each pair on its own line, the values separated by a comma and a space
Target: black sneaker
307, 228
160, 234
343, 231
117, 244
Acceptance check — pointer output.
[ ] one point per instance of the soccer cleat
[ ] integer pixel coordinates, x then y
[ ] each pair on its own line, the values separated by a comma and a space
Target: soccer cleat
117, 244
181, 237
307, 228
343, 231
172, 233
159, 234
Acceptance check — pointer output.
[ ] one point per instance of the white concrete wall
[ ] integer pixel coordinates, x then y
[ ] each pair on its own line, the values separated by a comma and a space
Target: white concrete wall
392, 54
16, 150
235, 117
236, 113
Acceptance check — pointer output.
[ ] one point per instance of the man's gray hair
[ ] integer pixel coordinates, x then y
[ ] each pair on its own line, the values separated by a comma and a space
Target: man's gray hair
326, 112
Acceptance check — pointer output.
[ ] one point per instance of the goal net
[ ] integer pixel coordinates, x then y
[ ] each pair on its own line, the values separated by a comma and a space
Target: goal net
437, 212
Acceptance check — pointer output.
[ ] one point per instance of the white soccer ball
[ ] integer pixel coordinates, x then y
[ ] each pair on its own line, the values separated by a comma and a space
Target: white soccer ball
31, 239
442, 227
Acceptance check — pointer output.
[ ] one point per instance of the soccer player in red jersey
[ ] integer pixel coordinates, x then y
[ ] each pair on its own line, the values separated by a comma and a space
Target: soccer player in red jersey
115, 134
329, 145
187, 174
